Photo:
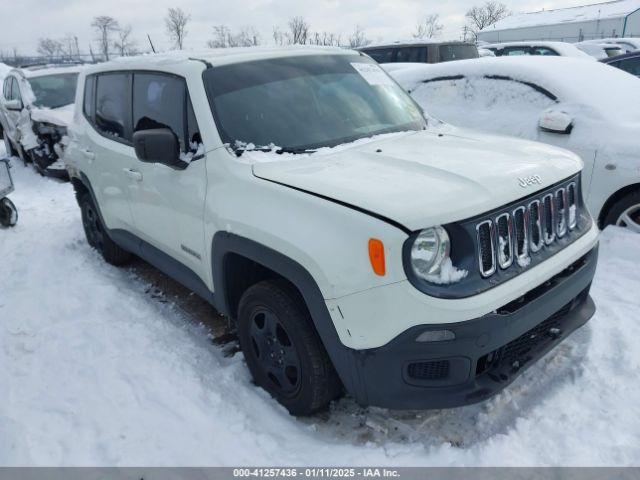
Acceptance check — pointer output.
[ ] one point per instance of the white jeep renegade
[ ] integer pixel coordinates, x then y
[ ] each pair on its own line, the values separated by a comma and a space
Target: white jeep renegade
356, 243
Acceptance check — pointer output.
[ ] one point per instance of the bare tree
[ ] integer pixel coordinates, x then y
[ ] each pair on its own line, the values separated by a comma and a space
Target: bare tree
124, 44
104, 27
176, 25
279, 37
48, 47
358, 38
223, 37
327, 39
298, 31
429, 28
486, 15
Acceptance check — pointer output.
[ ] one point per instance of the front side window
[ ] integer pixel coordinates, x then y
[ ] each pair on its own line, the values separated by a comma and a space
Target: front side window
15, 90
113, 106
54, 91
307, 102
457, 52
159, 102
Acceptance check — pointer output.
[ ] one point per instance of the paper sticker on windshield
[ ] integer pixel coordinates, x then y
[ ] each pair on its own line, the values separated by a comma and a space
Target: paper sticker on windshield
372, 73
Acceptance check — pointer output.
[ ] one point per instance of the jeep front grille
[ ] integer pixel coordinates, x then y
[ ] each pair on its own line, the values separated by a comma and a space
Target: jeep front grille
512, 237
486, 246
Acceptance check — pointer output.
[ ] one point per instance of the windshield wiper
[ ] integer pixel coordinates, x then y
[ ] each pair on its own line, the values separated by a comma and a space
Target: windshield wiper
294, 150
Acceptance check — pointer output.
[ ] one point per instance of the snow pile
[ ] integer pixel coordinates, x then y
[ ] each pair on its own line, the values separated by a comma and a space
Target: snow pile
97, 372
62, 116
448, 274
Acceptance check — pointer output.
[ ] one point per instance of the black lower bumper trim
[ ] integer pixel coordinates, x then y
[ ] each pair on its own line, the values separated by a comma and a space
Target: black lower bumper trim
487, 353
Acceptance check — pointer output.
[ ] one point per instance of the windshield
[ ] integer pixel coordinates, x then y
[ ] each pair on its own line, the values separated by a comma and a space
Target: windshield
308, 102
54, 91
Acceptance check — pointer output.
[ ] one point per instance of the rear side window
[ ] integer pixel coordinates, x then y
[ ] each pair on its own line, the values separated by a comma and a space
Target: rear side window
381, 55
457, 52
544, 51
515, 51
159, 102
89, 104
412, 55
113, 106
631, 65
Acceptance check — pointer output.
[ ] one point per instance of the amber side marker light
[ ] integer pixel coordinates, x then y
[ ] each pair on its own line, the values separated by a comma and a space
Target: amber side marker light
376, 256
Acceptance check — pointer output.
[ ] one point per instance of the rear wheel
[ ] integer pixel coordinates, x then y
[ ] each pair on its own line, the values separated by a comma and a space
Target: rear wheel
626, 212
97, 235
283, 350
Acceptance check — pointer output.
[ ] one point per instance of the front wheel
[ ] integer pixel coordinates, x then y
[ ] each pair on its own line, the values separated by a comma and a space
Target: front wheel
626, 212
8, 213
283, 350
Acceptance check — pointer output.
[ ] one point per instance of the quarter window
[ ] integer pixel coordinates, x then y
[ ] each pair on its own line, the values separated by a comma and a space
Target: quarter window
89, 103
113, 108
6, 88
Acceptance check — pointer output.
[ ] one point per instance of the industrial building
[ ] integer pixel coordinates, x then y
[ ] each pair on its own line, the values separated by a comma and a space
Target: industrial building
619, 18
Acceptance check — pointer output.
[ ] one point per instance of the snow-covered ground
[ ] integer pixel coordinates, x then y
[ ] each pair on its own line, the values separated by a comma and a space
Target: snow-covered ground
96, 370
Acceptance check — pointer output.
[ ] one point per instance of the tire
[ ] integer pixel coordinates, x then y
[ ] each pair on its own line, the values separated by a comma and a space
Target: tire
97, 235
8, 213
625, 212
283, 350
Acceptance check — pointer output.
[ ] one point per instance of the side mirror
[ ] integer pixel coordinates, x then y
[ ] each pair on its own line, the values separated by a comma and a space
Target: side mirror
556, 121
13, 105
158, 145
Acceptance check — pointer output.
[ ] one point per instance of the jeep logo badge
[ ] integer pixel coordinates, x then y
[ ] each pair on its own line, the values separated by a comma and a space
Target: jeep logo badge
532, 180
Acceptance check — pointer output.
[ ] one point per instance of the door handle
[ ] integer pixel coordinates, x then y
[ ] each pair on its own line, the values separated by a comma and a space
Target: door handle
134, 174
89, 154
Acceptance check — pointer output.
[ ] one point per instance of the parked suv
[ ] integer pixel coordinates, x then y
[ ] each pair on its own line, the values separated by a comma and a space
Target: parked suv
35, 109
355, 244
421, 52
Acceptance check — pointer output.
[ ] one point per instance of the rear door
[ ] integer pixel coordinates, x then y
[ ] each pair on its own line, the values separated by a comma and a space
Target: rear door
107, 146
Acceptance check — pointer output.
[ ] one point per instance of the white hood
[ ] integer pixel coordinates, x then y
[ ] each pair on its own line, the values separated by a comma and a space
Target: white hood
427, 178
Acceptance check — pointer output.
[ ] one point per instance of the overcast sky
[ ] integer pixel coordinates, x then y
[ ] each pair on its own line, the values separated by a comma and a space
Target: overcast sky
24, 21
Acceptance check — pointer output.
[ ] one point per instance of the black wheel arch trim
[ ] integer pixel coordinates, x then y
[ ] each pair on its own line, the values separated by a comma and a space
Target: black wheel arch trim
225, 243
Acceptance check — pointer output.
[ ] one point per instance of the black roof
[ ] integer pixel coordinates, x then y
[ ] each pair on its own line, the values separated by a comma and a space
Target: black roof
621, 57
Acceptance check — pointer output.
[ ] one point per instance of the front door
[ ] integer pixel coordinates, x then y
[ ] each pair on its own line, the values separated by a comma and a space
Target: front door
168, 203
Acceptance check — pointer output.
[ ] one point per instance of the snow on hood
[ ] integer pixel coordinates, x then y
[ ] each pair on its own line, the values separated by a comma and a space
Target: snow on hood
423, 178
612, 92
62, 116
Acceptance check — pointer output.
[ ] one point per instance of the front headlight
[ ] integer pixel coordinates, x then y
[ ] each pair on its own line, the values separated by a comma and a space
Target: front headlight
429, 252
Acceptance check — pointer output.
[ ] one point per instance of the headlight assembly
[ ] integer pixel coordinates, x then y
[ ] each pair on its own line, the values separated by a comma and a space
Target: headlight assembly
429, 252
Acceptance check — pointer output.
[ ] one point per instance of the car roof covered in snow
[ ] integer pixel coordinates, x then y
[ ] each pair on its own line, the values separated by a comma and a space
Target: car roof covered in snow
563, 48
213, 57
42, 71
583, 13
609, 90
